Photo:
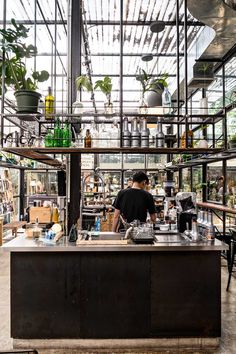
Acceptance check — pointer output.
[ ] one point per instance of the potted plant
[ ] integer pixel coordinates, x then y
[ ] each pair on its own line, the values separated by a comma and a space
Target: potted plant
232, 141
154, 87
13, 66
105, 86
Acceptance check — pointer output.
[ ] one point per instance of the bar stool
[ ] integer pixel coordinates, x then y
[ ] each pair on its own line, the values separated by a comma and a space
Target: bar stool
232, 251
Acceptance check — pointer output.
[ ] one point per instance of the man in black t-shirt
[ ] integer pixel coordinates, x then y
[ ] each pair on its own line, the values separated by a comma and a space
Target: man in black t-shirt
134, 203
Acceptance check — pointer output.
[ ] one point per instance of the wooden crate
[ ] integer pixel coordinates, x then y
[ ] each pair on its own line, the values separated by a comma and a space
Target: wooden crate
43, 214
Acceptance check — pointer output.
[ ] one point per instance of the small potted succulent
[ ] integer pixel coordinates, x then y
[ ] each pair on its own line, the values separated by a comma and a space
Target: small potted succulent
105, 86
232, 141
16, 53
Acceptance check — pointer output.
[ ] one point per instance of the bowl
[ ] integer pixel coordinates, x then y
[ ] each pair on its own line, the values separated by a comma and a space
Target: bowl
164, 227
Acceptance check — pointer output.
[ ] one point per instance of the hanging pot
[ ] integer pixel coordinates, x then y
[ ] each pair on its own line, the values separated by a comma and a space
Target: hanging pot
154, 97
27, 102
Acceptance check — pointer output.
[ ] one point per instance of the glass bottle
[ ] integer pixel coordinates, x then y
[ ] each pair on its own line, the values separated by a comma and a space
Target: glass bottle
190, 138
49, 104
37, 231
166, 101
57, 138
189, 143
95, 135
66, 135
103, 136
55, 214
108, 105
210, 230
114, 135
88, 139
160, 137
183, 141
77, 106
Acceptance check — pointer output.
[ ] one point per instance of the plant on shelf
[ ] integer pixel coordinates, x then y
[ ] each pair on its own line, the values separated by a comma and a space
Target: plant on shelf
15, 54
81, 82
154, 86
105, 86
232, 141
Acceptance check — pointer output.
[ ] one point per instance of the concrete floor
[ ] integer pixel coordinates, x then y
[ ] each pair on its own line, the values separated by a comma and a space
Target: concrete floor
227, 343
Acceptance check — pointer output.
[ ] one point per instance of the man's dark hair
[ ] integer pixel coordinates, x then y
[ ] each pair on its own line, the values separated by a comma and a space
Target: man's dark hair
140, 176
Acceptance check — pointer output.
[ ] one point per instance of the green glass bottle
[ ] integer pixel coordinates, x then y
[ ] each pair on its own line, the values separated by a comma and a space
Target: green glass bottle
57, 134
48, 140
67, 136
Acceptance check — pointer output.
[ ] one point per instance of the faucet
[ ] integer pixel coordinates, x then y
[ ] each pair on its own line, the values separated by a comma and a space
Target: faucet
98, 175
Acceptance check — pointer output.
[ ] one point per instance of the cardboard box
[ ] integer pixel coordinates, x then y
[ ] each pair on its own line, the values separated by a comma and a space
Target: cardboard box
43, 214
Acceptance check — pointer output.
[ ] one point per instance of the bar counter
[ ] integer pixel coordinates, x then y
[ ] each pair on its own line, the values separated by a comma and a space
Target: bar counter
169, 289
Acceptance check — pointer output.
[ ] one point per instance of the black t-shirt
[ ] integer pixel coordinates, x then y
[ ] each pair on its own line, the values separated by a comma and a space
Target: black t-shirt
134, 203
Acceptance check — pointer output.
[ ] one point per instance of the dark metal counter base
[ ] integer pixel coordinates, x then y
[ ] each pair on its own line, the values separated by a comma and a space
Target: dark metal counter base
115, 294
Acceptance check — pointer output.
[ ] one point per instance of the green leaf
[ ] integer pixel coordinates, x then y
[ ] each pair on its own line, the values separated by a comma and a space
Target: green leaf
83, 82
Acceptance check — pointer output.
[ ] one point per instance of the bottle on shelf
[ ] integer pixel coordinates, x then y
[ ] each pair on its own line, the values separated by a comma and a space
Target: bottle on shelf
77, 106
48, 140
210, 229
98, 224
88, 139
103, 136
160, 137
189, 143
66, 135
58, 134
144, 133
114, 135
166, 101
94, 135
49, 104
126, 135
55, 214
80, 139
37, 231
183, 141
135, 134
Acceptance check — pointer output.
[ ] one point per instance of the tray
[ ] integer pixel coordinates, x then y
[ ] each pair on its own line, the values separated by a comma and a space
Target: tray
143, 239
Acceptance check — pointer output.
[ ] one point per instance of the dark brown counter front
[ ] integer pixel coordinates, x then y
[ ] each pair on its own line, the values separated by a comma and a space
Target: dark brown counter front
116, 294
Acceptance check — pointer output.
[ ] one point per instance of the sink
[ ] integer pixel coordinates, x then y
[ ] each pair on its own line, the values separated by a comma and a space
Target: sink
175, 238
108, 236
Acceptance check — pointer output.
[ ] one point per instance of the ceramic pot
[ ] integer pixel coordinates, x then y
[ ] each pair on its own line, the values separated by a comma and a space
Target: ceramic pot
27, 102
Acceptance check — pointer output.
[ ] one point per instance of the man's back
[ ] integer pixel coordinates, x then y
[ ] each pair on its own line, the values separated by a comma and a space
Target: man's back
134, 203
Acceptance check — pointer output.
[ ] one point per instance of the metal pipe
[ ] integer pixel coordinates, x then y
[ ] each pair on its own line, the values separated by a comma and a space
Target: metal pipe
177, 68
106, 23
3, 74
186, 70
50, 34
121, 71
97, 175
224, 120
35, 29
55, 53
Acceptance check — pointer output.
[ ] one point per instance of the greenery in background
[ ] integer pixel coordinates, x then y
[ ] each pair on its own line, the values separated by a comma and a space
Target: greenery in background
83, 81
232, 138
105, 86
149, 84
16, 53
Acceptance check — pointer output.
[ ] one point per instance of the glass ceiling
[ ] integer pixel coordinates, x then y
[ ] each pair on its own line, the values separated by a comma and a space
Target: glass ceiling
104, 34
